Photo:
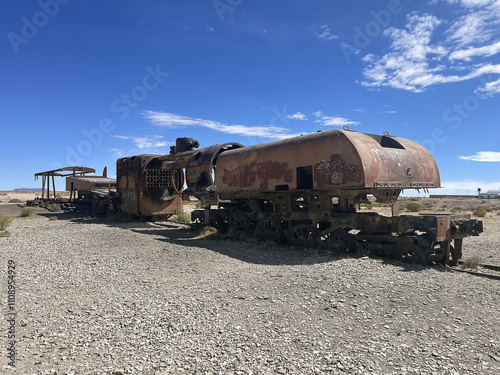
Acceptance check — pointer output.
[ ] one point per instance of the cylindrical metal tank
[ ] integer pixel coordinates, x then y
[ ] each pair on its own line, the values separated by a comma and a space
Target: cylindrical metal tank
327, 160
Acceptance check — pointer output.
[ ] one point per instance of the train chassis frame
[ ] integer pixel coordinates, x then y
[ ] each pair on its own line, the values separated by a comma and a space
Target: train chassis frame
330, 223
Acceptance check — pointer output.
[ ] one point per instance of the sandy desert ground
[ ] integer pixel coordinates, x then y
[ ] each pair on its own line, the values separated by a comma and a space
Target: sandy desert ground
99, 297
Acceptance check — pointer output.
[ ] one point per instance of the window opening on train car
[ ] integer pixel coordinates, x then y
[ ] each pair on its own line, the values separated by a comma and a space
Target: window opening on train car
304, 178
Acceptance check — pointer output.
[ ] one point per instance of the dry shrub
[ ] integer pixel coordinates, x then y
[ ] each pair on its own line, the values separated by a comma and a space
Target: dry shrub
479, 211
472, 262
5, 221
26, 212
15, 200
414, 207
181, 217
5, 233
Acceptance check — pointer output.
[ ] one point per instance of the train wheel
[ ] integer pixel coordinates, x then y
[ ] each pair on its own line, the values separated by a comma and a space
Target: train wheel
218, 223
340, 241
411, 254
269, 229
243, 224
304, 235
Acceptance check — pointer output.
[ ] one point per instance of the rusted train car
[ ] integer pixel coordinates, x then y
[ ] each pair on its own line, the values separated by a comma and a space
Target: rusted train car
302, 190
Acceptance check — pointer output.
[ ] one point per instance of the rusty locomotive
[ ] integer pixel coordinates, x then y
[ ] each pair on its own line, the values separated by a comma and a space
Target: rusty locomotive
302, 190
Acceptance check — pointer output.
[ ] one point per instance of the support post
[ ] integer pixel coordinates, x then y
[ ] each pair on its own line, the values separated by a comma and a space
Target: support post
456, 254
54, 186
43, 186
395, 208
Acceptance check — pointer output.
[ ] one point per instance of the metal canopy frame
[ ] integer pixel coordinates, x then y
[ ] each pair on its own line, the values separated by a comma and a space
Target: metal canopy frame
46, 176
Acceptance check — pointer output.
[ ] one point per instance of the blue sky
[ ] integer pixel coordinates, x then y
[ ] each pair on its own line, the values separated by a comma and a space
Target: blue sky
87, 82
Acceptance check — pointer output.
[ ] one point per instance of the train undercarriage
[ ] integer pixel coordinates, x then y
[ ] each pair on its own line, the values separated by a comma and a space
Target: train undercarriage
315, 220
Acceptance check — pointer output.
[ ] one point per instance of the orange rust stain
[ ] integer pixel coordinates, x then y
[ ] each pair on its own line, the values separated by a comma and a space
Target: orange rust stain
245, 176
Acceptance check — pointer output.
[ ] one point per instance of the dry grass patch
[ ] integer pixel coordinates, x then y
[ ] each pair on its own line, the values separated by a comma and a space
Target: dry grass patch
26, 212
414, 207
472, 262
5, 221
182, 217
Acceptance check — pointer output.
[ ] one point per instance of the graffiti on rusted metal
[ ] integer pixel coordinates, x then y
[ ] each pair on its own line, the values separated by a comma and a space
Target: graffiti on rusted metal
336, 171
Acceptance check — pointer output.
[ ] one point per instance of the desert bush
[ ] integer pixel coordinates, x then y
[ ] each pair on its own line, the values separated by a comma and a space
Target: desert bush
369, 206
472, 262
26, 212
5, 233
456, 209
53, 218
5, 221
54, 207
15, 200
181, 217
414, 207
479, 211
486, 208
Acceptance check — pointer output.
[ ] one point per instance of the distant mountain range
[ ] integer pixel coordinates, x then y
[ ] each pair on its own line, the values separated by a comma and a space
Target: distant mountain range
27, 189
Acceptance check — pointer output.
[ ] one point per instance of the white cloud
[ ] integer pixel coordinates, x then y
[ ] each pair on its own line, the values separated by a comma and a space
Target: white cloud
297, 116
489, 156
419, 57
145, 142
490, 89
470, 28
332, 120
466, 54
471, 3
325, 33
174, 121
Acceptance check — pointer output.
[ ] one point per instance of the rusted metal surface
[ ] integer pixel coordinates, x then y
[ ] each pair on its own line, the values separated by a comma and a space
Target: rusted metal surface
148, 186
329, 160
88, 183
200, 166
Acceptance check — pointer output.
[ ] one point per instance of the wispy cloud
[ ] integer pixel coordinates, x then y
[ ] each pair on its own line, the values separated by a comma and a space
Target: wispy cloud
490, 88
144, 142
332, 120
490, 156
174, 121
325, 33
467, 54
297, 116
419, 57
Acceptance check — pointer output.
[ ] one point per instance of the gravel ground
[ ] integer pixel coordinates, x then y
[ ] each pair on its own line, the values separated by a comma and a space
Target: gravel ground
118, 298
